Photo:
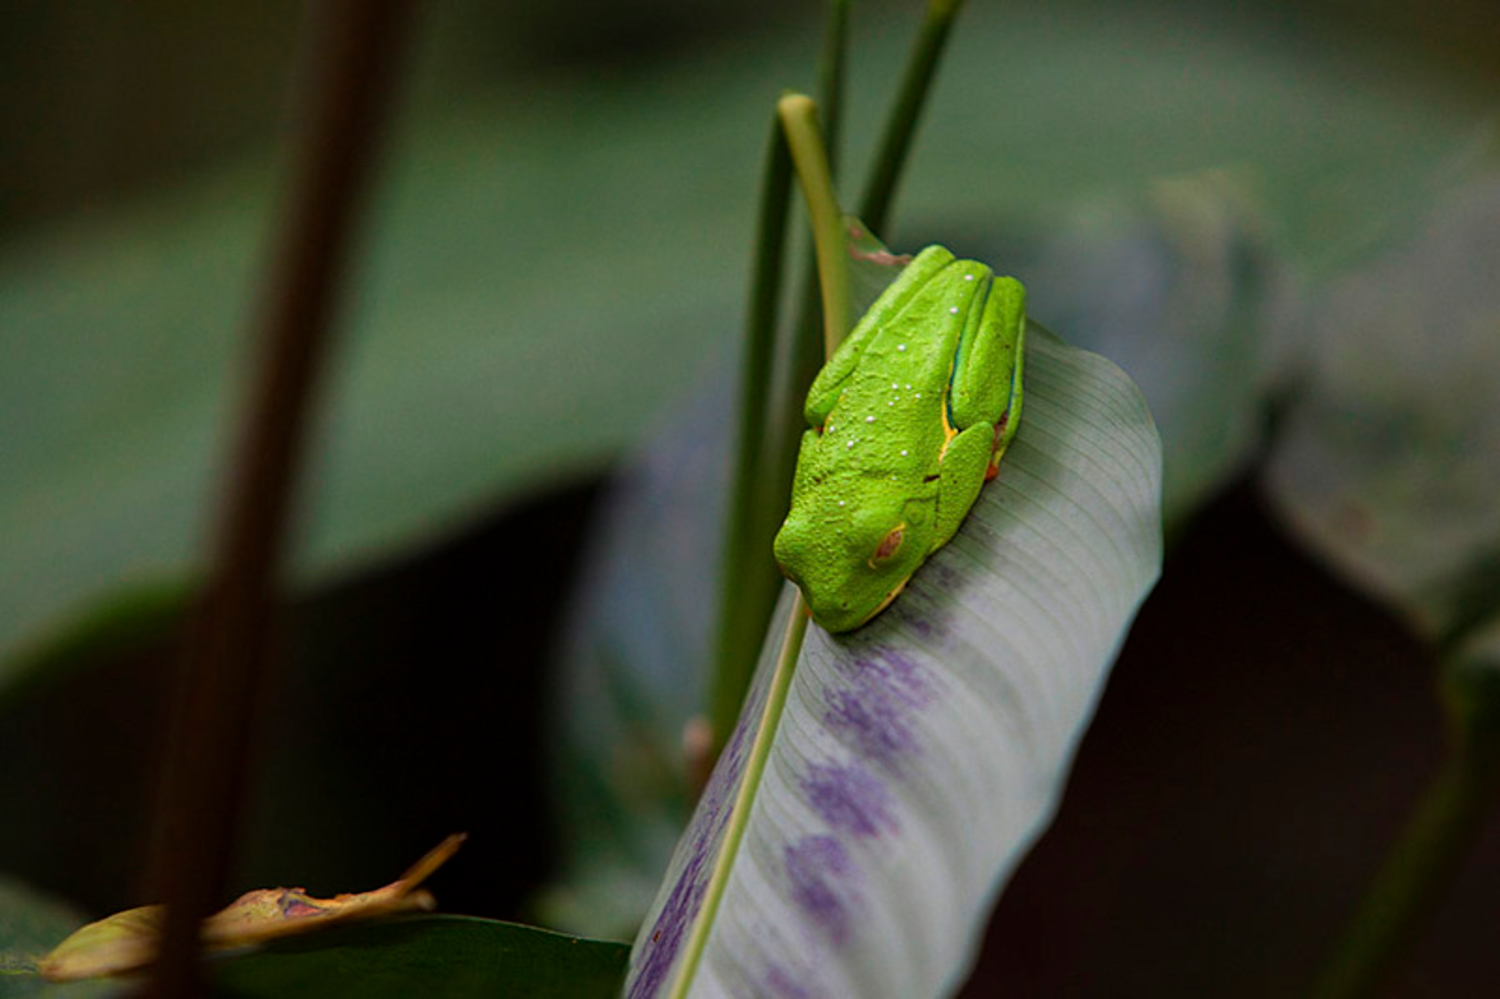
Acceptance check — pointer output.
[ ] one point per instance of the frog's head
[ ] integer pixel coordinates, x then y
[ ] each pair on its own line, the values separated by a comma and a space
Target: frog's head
852, 559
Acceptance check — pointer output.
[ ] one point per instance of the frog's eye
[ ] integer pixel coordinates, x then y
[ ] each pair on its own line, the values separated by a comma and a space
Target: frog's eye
888, 545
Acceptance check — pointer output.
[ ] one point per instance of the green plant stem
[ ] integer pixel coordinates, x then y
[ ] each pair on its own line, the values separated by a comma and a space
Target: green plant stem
901, 125
739, 816
831, 73
799, 117
1410, 885
748, 586
749, 579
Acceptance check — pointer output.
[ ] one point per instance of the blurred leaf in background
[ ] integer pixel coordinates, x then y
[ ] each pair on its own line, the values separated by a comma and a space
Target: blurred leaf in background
558, 254
1389, 456
31, 923
1179, 285
551, 262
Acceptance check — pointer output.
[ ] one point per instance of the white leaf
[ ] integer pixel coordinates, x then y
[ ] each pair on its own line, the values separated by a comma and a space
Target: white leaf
917, 758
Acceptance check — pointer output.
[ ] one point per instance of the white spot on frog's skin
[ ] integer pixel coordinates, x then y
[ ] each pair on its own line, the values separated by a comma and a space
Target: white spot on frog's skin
841, 502
908, 384
900, 346
851, 442
903, 452
968, 277
953, 310
869, 419
891, 403
894, 385
917, 396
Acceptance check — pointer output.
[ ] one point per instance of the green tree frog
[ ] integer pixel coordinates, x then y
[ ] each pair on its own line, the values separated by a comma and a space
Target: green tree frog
908, 419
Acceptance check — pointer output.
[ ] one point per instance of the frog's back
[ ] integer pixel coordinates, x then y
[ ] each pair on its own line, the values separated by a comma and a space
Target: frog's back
894, 402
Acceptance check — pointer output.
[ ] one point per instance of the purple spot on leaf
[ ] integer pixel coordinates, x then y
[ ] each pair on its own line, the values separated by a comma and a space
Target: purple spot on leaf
735, 748
815, 865
705, 833
879, 732
875, 709
849, 798
944, 577
780, 984
671, 925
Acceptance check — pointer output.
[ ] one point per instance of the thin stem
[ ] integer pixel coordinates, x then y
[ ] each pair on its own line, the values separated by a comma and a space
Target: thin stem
1417, 872
750, 580
901, 126
747, 590
806, 353
831, 73
351, 68
799, 116
739, 815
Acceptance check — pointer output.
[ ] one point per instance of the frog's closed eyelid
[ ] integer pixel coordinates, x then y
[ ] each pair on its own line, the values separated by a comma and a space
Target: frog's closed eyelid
889, 545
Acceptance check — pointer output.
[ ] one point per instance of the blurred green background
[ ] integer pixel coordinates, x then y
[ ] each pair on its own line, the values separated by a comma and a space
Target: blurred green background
555, 255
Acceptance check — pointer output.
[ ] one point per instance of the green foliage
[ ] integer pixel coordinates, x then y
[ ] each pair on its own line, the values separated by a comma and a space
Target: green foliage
439, 956
507, 338
552, 267
31, 924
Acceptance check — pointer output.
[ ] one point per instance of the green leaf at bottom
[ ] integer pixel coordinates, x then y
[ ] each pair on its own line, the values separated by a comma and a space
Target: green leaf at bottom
429, 956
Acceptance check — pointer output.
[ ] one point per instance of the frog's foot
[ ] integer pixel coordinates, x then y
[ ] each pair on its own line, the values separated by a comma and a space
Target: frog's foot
998, 448
965, 468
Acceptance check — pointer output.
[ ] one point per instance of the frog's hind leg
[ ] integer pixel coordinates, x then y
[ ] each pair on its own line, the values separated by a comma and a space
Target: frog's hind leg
965, 461
986, 383
1005, 426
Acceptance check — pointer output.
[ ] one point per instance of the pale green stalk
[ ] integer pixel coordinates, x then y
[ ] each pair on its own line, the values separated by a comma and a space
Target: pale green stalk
799, 117
739, 817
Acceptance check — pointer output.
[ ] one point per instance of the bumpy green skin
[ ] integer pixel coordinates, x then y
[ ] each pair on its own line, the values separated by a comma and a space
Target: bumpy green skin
904, 433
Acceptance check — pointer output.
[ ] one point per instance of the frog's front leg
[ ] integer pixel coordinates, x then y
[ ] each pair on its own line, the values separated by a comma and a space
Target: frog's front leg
962, 473
986, 383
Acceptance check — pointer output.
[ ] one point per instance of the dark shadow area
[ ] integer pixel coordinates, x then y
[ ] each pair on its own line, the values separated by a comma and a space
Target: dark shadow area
408, 705
1259, 744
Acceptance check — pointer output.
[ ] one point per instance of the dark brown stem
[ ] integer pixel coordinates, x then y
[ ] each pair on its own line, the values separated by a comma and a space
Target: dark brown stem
348, 77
